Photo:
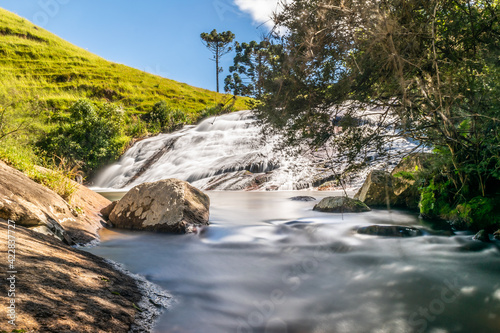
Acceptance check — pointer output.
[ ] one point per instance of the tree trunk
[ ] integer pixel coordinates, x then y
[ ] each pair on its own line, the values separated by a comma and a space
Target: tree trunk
217, 67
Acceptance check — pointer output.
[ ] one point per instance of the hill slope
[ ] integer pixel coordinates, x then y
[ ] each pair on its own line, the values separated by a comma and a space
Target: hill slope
42, 76
36, 62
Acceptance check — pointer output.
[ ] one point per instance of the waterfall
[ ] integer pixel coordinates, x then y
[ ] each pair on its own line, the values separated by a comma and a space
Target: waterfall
227, 152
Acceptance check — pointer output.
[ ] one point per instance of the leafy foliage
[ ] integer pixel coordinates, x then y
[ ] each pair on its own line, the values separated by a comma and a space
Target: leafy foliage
429, 70
91, 136
249, 68
164, 118
218, 44
42, 76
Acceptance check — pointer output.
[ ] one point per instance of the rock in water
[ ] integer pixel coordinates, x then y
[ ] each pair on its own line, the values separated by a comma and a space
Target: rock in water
496, 234
106, 211
377, 189
168, 205
341, 205
482, 236
303, 198
389, 231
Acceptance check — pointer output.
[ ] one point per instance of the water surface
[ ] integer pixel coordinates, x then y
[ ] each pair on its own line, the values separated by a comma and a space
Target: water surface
269, 264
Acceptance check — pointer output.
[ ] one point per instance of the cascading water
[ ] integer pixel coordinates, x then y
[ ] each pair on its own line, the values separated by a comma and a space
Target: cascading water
226, 152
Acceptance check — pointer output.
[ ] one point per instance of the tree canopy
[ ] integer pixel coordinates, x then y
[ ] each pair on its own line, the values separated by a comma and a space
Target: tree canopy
429, 69
218, 44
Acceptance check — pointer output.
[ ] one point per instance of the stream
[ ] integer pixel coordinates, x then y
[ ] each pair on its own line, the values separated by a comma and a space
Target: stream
270, 264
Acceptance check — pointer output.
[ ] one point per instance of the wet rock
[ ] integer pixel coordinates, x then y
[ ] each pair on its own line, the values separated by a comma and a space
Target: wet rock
106, 211
302, 198
413, 162
389, 231
377, 189
234, 181
341, 205
496, 234
482, 236
168, 205
328, 186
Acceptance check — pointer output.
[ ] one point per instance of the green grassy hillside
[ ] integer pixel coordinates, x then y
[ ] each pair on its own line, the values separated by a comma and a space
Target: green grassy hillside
42, 77
36, 62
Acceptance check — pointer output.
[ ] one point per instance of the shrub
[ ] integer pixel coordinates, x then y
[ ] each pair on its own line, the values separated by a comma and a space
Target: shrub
164, 118
91, 137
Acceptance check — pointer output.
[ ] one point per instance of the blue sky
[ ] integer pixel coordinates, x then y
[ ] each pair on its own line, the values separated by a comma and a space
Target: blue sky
158, 36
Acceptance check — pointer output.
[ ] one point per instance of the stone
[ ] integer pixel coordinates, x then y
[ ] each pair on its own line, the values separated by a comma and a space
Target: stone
106, 211
389, 231
302, 198
408, 195
61, 282
482, 236
413, 162
377, 190
341, 205
35, 206
328, 186
168, 205
496, 234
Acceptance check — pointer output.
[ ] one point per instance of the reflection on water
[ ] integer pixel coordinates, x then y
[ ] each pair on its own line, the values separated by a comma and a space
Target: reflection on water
268, 264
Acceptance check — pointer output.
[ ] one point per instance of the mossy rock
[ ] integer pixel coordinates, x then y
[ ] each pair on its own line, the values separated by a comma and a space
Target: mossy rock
341, 205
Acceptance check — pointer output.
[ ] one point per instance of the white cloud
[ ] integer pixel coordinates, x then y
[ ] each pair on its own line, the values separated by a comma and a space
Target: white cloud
260, 10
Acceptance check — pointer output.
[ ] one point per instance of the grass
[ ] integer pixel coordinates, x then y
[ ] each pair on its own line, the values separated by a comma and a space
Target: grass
36, 65
55, 176
35, 62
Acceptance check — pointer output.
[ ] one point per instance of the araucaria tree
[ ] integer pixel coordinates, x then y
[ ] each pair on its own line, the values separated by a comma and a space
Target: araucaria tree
219, 44
429, 68
249, 68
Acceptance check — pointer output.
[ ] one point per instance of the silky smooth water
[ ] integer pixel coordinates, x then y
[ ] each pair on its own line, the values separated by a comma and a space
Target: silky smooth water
224, 145
269, 264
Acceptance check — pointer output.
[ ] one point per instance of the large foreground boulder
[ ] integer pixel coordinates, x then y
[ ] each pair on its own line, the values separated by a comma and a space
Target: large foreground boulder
35, 206
341, 205
168, 205
377, 189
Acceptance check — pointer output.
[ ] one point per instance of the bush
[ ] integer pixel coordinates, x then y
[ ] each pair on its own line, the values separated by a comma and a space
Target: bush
164, 118
91, 137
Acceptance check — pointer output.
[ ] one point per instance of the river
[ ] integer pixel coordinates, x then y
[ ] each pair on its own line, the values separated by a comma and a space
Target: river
270, 264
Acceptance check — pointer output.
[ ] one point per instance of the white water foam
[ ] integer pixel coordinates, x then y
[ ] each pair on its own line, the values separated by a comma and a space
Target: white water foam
223, 153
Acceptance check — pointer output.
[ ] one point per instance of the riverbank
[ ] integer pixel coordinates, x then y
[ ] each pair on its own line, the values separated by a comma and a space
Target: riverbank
54, 287
58, 288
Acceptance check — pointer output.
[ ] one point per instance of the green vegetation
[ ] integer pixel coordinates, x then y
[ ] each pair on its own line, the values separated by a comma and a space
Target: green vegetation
218, 44
431, 68
90, 137
34, 62
59, 102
